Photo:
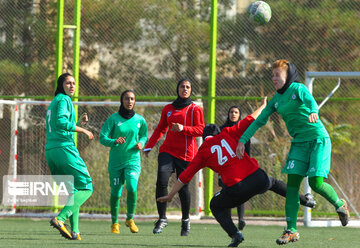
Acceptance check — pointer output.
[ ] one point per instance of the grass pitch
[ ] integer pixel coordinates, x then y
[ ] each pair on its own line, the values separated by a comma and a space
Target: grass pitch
38, 233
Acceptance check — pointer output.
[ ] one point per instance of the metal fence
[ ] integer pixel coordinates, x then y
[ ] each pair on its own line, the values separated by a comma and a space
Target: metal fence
148, 45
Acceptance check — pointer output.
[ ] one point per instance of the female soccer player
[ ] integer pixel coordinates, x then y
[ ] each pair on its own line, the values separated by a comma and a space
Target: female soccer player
310, 151
184, 121
126, 133
243, 178
277, 186
62, 156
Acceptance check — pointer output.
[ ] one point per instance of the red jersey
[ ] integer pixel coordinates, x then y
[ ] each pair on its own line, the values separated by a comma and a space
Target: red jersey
182, 144
218, 153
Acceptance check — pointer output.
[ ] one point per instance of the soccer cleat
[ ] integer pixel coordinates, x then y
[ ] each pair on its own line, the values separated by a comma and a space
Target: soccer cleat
131, 224
185, 227
76, 236
343, 213
54, 222
159, 225
310, 202
241, 224
115, 228
236, 240
287, 237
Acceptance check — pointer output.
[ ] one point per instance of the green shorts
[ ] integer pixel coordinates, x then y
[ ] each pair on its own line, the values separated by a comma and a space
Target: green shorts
67, 161
118, 177
311, 158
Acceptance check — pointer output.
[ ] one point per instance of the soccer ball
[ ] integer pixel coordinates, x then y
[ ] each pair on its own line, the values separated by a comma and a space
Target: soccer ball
259, 12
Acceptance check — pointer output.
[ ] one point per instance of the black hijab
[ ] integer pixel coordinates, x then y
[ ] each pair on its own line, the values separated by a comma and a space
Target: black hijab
228, 122
292, 76
123, 112
181, 103
210, 130
60, 82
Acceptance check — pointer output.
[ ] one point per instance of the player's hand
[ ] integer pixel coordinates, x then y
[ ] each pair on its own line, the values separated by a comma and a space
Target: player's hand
177, 127
313, 118
89, 134
164, 199
240, 149
120, 140
84, 119
146, 153
138, 146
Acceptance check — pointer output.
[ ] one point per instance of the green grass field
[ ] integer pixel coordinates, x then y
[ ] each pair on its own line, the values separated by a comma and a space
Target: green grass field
38, 233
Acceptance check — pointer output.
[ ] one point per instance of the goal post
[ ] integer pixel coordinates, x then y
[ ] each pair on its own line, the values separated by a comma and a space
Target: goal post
309, 82
26, 138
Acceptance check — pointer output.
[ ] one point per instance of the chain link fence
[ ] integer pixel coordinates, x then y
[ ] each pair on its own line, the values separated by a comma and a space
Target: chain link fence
149, 45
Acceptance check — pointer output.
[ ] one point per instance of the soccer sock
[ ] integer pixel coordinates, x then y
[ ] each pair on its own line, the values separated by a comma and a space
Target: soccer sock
184, 195
77, 199
131, 204
325, 190
241, 211
114, 208
74, 222
292, 207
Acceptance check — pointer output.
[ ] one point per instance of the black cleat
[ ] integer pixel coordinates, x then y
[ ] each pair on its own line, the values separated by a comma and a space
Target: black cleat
310, 202
159, 225
185, 227
236, 240
241, 224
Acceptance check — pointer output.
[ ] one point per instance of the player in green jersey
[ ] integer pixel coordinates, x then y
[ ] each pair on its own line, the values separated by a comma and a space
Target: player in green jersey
310, 151
126, 133
62, 156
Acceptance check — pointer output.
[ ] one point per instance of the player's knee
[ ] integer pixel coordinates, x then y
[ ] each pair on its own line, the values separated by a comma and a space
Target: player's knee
315, 184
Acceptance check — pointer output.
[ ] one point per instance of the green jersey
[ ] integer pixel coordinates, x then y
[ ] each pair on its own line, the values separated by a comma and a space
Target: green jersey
294, 105
134, 130
60, 122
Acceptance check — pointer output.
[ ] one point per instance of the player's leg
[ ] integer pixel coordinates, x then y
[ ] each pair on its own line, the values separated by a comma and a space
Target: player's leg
68, 162
116, 177
233, 196
184, 195
165, 169
320, 160
241, 214
132, 177
279, 187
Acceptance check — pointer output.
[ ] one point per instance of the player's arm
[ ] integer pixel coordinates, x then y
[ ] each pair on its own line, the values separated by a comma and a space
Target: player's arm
309, 101
261, 116
185, 177
63, 117
199, 124
159, 131
143, 132
84, 131
105, 134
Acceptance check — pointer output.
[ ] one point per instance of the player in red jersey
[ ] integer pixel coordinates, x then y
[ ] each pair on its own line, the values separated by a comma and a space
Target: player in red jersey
243, 178
182, 121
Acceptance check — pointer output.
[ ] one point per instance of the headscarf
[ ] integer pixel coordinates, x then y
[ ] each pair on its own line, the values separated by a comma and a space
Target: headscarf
210, 130
292, 76
228, 122
60, 82
181, 103
123, 112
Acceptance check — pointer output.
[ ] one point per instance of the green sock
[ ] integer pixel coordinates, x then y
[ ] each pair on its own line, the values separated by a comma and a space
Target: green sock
292, 207
324, 189
114, 208
74, 222
131, 204
74, 203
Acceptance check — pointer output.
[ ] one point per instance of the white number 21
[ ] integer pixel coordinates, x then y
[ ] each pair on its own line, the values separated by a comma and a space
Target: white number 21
216, 148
